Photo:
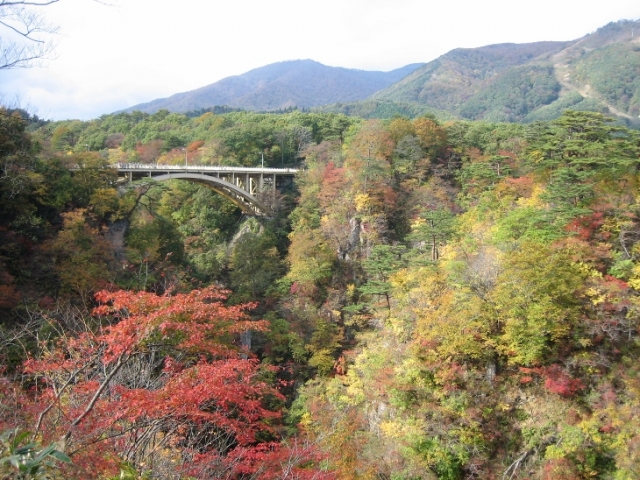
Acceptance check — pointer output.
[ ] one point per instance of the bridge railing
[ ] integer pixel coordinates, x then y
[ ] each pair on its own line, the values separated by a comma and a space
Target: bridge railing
202, 168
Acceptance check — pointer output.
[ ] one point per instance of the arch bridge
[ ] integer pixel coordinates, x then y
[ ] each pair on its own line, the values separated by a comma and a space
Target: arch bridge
247, 187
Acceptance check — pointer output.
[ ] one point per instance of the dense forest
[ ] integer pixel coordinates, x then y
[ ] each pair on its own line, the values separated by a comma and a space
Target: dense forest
435, 299
526, 82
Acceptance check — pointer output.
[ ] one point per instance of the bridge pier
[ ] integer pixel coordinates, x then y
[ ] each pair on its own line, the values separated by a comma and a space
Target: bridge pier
241, 185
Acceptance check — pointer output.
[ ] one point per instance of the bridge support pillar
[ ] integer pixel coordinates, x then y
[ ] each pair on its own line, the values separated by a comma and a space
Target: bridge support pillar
243, 189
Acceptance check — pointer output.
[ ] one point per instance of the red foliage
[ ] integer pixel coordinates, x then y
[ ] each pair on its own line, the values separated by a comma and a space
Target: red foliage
9, 296
194, 146
207, 400
586, 226
615, 284
521, 186
559, 469
334, 185
149, 152
557, 381
265, 462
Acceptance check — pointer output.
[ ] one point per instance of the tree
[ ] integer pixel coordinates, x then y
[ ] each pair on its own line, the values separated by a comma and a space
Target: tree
302, 137
17, 175
162, 378
81, 255
434, 227
535, 301
30, 30
255, 266
432, 137
383, 261
29, 40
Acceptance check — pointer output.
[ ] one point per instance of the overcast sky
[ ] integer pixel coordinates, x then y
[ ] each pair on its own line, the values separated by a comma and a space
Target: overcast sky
111, 57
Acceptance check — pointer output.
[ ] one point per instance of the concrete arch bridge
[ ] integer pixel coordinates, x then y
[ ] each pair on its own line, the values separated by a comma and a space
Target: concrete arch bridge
247, 187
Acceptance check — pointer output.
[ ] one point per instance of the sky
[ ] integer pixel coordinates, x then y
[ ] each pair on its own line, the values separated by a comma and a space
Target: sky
110, 57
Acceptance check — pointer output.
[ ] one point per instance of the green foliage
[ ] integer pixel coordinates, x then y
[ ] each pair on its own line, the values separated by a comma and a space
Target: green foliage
527, 223
206, 221
28, 461
255, 266
518, 82
513, 95
613, 72
383, 261
571, 101
433, 228
372, 109
443, 462
535, 303
504, 257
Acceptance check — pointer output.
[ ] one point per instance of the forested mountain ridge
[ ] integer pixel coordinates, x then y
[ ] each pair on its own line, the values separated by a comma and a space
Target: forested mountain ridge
440, 83
528, 82
604, 67
282, 85
502, 82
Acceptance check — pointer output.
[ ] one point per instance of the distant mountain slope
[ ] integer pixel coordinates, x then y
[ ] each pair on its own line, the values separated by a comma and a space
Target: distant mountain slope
383, 109
604, 68
500, 83
449, 81
301, 83
535, 81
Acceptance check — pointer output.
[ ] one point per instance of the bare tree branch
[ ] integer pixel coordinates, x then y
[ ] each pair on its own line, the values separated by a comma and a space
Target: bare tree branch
24, 20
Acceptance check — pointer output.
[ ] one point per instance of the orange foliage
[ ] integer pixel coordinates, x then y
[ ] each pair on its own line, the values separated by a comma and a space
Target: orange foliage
207, 400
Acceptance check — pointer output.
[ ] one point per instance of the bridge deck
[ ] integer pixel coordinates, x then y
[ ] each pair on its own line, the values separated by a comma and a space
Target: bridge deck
141, 167
245, 186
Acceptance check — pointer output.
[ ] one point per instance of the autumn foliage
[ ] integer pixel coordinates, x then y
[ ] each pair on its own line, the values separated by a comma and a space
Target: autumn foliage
453, 300
162, 380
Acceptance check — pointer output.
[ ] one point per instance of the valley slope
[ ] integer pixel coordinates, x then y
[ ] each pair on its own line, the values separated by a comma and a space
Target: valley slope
528, 82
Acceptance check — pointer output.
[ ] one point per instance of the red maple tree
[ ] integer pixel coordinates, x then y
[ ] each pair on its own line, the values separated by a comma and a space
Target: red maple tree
162, 384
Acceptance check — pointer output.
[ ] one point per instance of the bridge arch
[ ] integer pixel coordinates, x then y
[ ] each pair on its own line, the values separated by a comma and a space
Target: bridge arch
240, 197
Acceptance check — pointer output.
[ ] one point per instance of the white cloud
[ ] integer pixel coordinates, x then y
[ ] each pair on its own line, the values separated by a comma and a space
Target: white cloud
109, 58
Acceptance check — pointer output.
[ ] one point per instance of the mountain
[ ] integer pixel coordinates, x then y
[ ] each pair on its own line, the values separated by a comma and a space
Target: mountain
371, 108
500, 83
301, 83
534, 81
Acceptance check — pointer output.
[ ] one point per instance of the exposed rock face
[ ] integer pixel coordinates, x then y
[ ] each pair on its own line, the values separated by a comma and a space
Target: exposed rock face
353, 240
115, 235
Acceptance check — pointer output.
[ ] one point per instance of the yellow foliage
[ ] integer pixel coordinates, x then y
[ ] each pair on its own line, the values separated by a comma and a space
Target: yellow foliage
634, 281
534, 200
351, 291
363, 202
535, 301
596, 296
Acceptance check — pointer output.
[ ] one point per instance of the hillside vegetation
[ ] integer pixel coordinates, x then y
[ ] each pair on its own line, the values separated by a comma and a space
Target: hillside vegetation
297, 83
497, 83
450, 300
528, 82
